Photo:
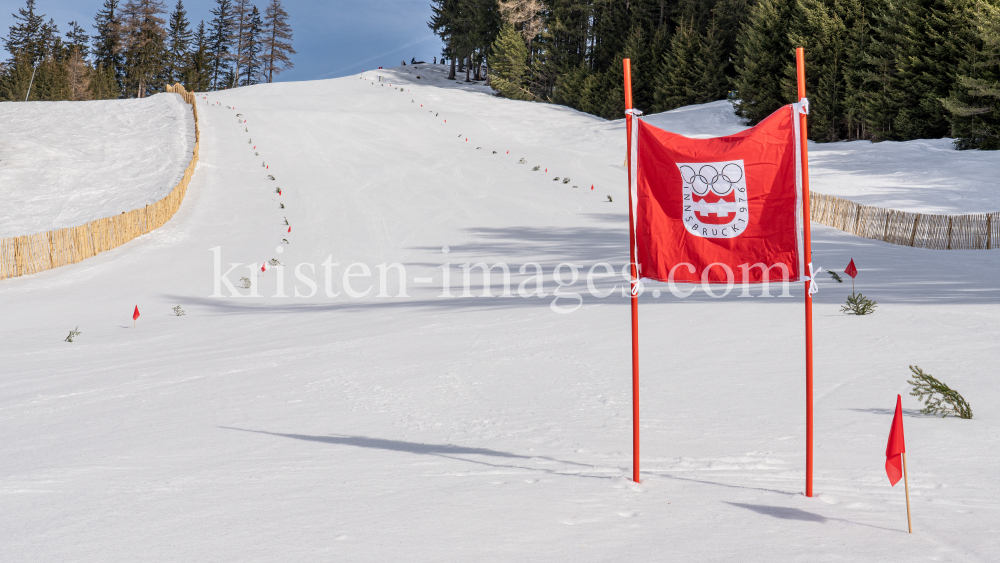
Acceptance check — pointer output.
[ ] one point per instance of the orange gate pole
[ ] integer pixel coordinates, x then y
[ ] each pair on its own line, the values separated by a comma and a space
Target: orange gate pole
800, 67
629, 124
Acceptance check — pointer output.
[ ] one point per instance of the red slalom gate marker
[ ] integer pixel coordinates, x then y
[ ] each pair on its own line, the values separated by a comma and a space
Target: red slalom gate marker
135, 315
263, 267
592, 187
289, 228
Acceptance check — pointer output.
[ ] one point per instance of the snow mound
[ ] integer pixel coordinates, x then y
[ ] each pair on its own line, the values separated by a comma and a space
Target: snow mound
65, 163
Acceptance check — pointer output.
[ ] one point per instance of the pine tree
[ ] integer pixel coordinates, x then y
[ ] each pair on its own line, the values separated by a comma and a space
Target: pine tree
252, 47
762, 52
509, 65
198, 74
178, 45
939, 34
974, 104
694, 71
143, 44
277, 40
77, 38
108, 59
822, 32
221, 39
445, 14
27, 34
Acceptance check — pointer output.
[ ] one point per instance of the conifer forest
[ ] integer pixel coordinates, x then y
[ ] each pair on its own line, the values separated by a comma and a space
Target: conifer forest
876, 69
135, 48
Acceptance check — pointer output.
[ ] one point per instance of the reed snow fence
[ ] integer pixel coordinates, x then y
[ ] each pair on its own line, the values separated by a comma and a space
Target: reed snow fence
29, 254
919, 230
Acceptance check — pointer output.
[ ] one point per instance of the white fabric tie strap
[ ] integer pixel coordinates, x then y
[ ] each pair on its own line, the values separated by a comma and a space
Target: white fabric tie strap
813, 286
802, 106
633, 111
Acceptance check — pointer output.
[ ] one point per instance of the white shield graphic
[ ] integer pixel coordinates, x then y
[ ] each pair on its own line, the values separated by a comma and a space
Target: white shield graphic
715, 198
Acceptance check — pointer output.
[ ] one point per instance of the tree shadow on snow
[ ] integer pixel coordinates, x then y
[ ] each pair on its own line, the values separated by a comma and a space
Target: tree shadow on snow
448, 451
789, 513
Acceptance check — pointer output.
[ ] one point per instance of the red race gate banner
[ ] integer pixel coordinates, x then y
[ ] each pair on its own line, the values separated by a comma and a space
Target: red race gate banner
704, 205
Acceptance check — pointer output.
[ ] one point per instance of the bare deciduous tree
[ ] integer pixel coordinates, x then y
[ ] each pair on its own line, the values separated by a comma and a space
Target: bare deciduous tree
277, 40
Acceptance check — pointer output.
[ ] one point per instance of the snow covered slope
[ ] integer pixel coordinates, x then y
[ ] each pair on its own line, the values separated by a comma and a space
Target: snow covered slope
65, 163
424, 428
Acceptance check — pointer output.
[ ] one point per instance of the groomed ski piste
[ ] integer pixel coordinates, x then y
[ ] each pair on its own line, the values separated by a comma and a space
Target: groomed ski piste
429, 428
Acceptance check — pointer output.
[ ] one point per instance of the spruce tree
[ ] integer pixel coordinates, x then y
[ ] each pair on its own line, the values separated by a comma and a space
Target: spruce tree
108, 58
509, 65
974, 103
77, 38
693, 71
252, 48
221, 39
198, 73
27, 34
762, 53
822, 32
143, 46
940, 33
178, 45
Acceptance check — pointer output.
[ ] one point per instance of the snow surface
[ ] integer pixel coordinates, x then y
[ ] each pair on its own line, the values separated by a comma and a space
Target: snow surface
65, 163
471, 429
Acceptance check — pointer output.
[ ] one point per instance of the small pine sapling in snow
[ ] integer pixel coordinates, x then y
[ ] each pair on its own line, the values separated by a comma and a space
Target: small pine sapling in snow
284, 240
938, 398
255, 153
274, 262
858, 304
270, 177
556, 179
246, 282
609, 198
178, 311
282, 205
535, 169
522, 161
566, 181
73, 334
835, 276
286, 220
494, 152
277, 190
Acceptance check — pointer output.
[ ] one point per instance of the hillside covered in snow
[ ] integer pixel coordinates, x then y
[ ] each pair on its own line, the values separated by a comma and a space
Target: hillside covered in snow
65, 163
338, 415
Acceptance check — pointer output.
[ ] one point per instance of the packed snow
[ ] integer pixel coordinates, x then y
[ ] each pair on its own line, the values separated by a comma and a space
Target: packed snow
427, 428
65, 163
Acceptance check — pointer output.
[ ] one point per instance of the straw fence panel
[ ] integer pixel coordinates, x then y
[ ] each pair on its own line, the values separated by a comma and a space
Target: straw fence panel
939, 232
29, 254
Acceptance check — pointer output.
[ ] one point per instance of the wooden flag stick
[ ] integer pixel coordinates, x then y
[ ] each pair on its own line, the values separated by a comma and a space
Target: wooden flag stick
906, 486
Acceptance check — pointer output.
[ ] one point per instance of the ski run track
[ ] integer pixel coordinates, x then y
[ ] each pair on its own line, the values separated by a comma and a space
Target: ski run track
426, 428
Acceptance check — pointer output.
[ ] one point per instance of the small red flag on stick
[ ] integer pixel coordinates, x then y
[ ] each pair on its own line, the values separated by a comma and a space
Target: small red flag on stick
895, 457
135, 315
289, 228
852, 271
263, 267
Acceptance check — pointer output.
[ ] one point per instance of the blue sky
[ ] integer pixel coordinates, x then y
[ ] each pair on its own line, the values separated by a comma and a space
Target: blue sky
333, 38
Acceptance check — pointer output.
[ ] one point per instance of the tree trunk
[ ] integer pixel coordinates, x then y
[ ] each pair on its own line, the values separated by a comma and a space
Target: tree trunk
468, 67
451, 74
